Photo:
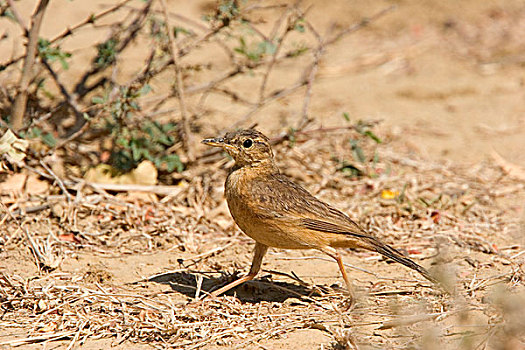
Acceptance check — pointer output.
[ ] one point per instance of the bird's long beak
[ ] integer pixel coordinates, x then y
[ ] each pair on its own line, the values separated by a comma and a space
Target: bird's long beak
217, 142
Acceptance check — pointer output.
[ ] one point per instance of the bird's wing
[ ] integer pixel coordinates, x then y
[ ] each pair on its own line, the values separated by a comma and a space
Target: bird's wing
324, 226
289, 202
284, 199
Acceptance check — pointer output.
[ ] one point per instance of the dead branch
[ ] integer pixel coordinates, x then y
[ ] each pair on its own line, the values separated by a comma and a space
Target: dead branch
185, 131
19, 107
91, 19
17, 16
364, 22
280, 41
70, 99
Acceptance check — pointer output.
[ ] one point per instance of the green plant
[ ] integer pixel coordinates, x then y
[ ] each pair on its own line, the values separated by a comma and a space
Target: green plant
131, 142
107, 53
362, 160
51, 54
37, 133
149, 141
297, 50
227, 10
5, 11
254, 52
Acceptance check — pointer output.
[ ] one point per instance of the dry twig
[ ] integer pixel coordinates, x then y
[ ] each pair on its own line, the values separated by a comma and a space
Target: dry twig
185, 132
19, 107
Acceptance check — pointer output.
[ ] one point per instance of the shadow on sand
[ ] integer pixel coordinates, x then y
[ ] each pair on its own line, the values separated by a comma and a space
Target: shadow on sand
259, 289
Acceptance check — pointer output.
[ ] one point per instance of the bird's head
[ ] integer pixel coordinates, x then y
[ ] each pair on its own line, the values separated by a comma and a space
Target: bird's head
247, 147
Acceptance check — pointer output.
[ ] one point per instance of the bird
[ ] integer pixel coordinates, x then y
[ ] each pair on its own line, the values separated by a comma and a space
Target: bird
276, 212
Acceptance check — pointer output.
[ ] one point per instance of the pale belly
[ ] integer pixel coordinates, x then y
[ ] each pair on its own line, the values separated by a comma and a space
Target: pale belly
275, 238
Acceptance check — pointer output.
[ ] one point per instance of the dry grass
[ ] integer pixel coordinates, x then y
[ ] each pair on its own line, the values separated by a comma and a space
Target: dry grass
460, 219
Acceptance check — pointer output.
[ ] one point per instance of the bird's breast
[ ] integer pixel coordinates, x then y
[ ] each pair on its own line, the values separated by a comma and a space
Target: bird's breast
243, 194
239, 195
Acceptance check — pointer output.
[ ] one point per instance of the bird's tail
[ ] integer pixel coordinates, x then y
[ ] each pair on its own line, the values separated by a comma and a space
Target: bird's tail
394, 254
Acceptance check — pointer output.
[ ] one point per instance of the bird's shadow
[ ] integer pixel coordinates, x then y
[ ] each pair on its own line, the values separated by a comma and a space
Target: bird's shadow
259, 289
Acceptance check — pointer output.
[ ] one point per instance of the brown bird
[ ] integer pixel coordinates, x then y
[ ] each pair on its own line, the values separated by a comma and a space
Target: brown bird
276, 212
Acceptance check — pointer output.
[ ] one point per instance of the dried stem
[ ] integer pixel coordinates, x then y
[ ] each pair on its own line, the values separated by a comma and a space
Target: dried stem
185, 132
69, 31
276, 52
17, 16
19, 107
364, 22
35, 250
70, 99
58, 180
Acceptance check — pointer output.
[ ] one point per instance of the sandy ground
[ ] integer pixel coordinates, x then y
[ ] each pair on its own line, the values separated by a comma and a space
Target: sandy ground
447, 81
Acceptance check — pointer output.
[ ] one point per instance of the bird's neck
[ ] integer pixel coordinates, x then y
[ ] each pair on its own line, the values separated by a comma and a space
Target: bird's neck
265, 166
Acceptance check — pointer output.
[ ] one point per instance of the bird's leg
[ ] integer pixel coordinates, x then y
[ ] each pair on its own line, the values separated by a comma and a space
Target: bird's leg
259, 252
343, 272
337, 257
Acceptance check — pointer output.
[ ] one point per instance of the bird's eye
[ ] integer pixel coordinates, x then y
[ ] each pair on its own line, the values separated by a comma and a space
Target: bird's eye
247, 143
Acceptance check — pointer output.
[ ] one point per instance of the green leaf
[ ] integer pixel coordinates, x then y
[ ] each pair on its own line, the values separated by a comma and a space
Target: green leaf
123, 142
424, 201
291, 136
165, 140
402, 196
107, 53
49, 139
173, 162
181, 30
51, 53
299, 26
98, 100
134, 105
267, 47
168, 127
376, 158
346, 116
357, 151
144, 90
350, 170
9, 14
136, 152
36, 132
372, 136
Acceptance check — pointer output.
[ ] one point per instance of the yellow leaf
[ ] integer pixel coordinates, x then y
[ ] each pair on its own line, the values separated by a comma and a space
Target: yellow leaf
388, 194
50, 327
13, 147
144, 174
